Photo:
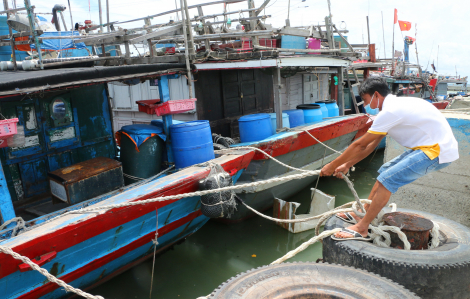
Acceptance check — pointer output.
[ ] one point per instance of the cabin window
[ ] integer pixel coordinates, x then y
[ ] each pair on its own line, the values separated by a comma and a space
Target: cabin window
61, 112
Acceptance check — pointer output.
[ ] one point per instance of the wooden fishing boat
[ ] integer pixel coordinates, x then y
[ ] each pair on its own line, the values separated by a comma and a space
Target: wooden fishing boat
67, 127
297, 149
86, 249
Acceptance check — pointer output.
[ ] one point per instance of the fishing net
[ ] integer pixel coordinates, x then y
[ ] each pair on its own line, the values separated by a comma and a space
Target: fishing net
220, 204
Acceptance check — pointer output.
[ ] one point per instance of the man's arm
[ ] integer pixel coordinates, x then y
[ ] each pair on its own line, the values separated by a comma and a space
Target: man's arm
357, 151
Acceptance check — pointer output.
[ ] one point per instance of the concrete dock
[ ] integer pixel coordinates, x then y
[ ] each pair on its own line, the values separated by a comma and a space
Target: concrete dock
445, 192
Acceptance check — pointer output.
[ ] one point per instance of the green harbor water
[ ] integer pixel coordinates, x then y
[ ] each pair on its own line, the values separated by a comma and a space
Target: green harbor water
219, 251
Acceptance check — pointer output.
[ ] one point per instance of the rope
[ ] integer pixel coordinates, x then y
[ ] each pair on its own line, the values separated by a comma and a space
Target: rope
318, 141
19, 225
49, 276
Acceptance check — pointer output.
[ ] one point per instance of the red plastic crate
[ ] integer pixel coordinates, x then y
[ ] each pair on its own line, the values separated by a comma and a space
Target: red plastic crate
148, 106
8, 127
264, 42
170, 50
175, 107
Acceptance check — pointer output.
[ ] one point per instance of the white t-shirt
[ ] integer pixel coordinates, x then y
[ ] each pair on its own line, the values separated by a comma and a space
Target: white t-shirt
417, 124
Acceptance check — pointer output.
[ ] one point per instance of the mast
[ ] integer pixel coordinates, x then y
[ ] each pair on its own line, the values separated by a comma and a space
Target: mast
71, 19
393, 43
383, 33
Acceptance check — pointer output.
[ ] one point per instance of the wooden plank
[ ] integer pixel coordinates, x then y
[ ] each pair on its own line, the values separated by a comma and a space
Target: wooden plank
14, 10
258, 11
154, 34
177, 10
296, 32
299, 50
344, 39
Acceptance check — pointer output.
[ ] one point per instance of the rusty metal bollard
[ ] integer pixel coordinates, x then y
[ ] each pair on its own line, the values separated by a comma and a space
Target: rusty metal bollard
415, 227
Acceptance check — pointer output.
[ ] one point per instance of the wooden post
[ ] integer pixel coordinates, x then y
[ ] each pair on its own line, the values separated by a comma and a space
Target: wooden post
355, 75
207, 42
30, 10
101, 16
366, 73
372, 53
128, 50
329, 34
12, 40
107, 14
253, 22
192, 53
368, 32
393, 49
149, 41
340, 90
187, 53
103, 49
277, 97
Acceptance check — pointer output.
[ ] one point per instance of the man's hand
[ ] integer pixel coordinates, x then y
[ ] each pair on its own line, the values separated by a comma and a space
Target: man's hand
340, 170
327, 170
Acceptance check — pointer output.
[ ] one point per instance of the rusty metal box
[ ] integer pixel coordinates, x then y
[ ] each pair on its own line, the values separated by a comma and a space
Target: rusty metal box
85, 180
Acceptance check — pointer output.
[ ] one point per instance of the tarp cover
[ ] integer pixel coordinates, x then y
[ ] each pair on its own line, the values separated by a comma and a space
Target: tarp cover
60, 44
140, 132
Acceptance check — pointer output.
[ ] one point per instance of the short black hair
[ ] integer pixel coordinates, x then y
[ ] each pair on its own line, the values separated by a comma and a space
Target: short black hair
373, 84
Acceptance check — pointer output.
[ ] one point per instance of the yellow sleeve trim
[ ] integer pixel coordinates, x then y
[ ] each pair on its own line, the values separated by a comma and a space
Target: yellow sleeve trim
432, 151
377, 133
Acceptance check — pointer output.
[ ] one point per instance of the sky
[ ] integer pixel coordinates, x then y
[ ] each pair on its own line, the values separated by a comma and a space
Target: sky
440, 27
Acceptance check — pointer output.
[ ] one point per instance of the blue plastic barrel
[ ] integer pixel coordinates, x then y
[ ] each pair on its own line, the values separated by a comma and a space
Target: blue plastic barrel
324, 110
296, 117
285, 121
333, 109
255, 127
5, 51
312, 113
191, 143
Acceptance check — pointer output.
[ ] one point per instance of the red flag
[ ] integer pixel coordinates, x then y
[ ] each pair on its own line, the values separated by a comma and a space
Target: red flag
404, 25
395, 18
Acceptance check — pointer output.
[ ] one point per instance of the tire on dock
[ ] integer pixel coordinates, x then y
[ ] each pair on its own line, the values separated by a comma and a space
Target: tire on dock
442, 272
309, 280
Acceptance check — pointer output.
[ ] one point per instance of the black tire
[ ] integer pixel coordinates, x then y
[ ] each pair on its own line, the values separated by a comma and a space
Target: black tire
442, 272
309, 280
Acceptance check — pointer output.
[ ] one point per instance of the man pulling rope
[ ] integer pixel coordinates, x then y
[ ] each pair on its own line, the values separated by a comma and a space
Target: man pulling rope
413, 123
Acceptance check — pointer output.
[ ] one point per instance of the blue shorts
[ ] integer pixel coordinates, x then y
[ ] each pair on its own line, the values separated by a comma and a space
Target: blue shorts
406, 168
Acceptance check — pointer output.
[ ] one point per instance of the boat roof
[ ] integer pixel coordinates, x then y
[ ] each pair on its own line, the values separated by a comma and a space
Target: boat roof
282, 62
24, 82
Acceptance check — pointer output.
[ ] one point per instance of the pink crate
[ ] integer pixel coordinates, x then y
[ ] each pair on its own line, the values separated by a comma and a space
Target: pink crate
175, 107
8, 127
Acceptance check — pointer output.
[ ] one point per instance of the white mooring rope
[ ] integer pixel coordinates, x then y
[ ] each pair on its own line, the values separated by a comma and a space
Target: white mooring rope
49, 276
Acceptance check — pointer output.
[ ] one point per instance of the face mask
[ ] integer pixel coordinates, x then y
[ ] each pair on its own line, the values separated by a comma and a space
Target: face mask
370, 110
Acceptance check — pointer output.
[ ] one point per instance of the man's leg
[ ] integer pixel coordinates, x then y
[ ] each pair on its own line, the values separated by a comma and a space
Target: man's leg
379, 199
366, 206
